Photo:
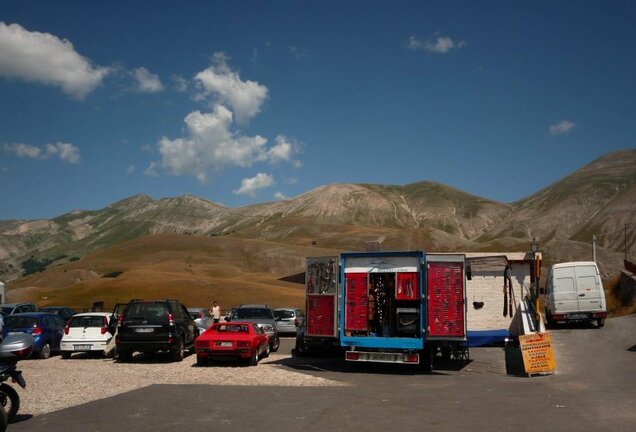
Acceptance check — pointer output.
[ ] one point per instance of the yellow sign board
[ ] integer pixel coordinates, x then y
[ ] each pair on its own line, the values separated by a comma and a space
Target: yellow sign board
536, 350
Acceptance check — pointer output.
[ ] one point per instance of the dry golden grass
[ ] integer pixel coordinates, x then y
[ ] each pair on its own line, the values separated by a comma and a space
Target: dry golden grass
615, 305
195, 270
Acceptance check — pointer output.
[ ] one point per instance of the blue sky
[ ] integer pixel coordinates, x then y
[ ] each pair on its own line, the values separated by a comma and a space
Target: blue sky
247, 102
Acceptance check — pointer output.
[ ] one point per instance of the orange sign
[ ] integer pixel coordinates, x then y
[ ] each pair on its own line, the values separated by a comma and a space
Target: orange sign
536, 350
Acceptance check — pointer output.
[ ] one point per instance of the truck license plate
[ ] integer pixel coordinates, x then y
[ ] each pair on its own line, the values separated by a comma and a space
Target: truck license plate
379, 357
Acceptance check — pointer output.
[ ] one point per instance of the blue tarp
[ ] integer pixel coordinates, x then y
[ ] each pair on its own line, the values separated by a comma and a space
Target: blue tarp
487, 337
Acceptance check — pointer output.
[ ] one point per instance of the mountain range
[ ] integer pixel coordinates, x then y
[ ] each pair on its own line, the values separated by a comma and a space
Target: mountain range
597, 200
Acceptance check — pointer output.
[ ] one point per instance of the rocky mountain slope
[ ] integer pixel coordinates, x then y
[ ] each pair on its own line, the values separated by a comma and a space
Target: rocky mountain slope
596, 200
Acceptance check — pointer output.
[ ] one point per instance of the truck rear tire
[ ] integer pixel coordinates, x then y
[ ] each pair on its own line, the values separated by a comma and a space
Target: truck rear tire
426, 358
600, 322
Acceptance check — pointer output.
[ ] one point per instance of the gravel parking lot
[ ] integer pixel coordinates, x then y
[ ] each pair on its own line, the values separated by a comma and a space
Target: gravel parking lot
55, 384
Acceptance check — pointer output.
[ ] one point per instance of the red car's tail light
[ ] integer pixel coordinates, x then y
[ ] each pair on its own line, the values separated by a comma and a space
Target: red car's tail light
243, 344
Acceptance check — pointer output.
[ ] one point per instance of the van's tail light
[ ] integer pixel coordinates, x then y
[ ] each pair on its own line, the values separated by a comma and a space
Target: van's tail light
104, 325
37, 331
66, 329
170, 319
599, 314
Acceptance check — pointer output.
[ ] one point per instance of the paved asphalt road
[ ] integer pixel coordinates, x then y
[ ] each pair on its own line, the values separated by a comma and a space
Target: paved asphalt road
594, 389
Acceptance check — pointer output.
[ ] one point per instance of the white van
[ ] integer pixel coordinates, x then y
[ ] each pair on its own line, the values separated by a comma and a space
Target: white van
574, 292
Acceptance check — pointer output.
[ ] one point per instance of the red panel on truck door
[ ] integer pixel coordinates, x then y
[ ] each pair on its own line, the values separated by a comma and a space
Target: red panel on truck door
357, 298
320, 315
445, 299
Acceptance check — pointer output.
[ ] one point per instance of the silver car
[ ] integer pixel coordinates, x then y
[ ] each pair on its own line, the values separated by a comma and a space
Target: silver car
288, 319
202, 318
263, 316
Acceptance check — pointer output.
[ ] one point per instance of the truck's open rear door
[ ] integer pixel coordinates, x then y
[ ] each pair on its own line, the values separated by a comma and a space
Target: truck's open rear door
321, 288
446, 294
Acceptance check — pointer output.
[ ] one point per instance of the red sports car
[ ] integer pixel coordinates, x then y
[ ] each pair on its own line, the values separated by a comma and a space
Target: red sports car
241, 340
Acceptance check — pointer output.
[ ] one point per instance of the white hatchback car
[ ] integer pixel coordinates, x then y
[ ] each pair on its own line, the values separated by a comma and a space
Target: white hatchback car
89, 332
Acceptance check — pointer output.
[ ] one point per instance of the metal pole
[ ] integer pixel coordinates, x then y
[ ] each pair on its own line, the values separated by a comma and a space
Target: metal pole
625, 242
594, 248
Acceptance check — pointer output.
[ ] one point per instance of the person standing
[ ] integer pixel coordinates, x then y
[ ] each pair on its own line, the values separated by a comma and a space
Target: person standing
216, 312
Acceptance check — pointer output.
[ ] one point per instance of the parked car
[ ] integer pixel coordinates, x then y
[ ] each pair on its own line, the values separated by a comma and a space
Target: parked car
89, 332
65, 312
46, 328
574, 292
155, 325
288, 319
306, 345
261, 315
14, 308
202, 318
237, 339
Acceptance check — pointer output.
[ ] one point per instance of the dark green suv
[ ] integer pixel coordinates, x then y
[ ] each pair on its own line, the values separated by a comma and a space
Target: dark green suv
150, 326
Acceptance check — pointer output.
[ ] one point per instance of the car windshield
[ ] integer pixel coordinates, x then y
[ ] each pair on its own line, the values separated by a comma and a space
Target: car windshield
280, 314
14, 322
146, 311
232, 328
253, 313
87, 321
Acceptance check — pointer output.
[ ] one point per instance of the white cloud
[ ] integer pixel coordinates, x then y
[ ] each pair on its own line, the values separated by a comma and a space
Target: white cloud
130, 169
210, 146
147, 82
280, 196
65, 151
180, 83
440, 44
24, 150
283, 150
224, 86
47, 59
249, 186
564, 126
298, 52
151, 171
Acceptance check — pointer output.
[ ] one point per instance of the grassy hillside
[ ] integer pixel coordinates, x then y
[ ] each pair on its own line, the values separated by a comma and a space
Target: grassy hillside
194, 269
